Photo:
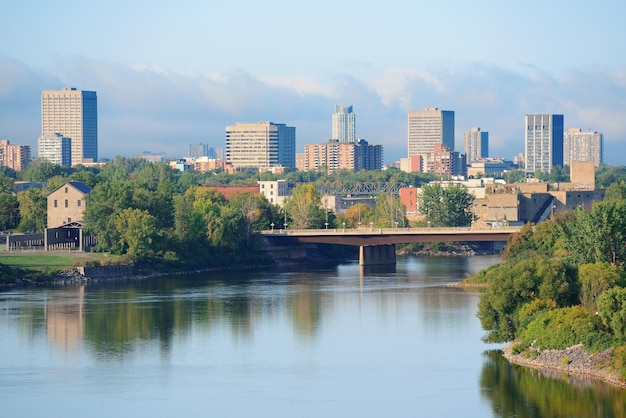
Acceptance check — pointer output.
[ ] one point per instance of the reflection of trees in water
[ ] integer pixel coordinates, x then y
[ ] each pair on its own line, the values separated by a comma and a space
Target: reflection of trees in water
117, 319
516, 391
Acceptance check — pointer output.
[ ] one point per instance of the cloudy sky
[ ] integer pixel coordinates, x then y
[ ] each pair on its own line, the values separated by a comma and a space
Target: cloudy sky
169, 74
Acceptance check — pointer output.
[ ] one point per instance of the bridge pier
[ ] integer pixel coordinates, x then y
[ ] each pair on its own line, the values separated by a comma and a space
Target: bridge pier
373, 255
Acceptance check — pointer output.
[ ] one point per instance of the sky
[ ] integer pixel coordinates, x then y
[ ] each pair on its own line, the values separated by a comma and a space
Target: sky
170, 74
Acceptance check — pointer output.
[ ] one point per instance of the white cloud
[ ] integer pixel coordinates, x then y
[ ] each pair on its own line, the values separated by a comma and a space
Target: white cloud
152, 108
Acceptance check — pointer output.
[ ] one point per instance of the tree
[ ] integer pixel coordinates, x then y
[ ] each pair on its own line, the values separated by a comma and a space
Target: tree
9, 211
389, 211
446, 206
303, 207
358, 214
612, 311
41, 170
595, 278
138, 233
255, 210
102, 205
33, 210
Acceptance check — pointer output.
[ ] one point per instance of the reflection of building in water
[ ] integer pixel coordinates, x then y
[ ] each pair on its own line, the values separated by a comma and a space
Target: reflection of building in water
65, 321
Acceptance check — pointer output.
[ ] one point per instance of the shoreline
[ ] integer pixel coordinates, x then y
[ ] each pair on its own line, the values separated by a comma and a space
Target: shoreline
574, 361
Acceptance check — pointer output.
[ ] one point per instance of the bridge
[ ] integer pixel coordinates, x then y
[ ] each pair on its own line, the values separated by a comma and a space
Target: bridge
378, 245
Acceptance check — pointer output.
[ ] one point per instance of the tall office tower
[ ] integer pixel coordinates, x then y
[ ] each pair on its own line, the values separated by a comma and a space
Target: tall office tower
583, 146
15, 157
543, 142
261, 145
55, 148
74, 114
196, 151
476, 144
344, 126
429, 127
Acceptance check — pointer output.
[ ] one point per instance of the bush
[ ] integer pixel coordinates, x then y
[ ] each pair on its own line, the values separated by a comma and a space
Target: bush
619, 360
565, 327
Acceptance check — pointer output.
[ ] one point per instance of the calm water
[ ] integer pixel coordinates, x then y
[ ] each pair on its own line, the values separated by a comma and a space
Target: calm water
334, 342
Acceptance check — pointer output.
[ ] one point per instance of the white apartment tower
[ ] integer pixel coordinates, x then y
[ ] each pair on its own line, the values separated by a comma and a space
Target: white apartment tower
583, 146
74, 114
543, 142
344, 125
429, 127
261, 145
55, 148
476, 144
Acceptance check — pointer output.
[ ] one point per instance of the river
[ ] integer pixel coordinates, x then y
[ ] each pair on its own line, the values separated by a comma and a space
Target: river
326, 342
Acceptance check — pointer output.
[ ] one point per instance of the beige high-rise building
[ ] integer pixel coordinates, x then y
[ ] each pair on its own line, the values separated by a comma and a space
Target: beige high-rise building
429, 127
74, 114
583, 146
261, 145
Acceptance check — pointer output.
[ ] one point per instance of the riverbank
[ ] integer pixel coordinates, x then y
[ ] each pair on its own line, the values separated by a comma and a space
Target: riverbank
574, 361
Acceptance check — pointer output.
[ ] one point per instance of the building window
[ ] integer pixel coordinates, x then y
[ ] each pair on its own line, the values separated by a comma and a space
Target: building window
66, 203
66, 190
78, 203
55, 203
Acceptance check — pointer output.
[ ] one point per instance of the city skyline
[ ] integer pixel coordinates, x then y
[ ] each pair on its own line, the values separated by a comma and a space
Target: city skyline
162, 89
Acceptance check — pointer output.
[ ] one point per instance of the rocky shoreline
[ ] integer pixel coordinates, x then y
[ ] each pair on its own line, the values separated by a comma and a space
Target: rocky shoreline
574, 361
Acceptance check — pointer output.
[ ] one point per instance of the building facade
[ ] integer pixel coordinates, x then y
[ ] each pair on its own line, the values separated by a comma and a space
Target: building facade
543, 139
334, 155
195, 151
66, 204
276, 192
476, 144
344, 125
429, 127
55, 148
16, 157
583, 146
261, 145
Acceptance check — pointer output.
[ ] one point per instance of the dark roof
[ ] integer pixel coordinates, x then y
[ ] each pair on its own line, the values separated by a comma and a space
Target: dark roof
78, 185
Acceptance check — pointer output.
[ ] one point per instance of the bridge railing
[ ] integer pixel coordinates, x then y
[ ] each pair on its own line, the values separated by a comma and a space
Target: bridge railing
367, 230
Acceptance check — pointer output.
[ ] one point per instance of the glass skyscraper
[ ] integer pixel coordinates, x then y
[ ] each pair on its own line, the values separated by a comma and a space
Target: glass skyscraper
344, 125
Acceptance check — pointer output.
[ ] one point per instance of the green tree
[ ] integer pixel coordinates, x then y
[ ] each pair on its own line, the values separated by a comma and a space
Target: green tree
514, 284
9, 211
612, 311
256, 212
138, 233
389, 211
595, 278
358, 214
41, 170
599, 234
303, 207
33, 210
102, 205
446, 206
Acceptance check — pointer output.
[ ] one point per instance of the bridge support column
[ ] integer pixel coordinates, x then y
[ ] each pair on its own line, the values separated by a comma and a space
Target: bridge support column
372, 255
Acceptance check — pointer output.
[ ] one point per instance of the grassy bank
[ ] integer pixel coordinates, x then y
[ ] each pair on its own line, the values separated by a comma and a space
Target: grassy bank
48, 261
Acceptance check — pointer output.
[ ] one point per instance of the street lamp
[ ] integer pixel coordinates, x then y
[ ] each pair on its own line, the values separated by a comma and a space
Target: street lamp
326, 223
371, 225
272, 225
344, 226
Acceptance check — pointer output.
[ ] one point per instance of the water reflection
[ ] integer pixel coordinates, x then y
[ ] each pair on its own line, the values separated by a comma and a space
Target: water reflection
515, 391
344, 341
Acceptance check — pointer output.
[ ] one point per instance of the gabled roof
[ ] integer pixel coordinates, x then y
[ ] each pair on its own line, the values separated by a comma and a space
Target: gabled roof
78, 185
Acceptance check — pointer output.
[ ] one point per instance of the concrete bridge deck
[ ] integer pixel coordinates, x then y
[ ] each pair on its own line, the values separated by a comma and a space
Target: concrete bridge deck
382, 241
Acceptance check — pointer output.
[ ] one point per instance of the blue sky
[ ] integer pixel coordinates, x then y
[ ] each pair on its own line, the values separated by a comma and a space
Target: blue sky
169, 74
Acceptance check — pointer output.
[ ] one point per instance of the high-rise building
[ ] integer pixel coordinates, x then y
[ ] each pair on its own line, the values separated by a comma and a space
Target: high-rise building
583, 146
344, 126
334, 155
195, 151
429, 127
476, 144
543, 142
55, 148
74, 114
261, 145
16, 157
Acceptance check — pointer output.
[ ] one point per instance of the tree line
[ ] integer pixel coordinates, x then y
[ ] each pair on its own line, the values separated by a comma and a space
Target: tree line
562, 282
